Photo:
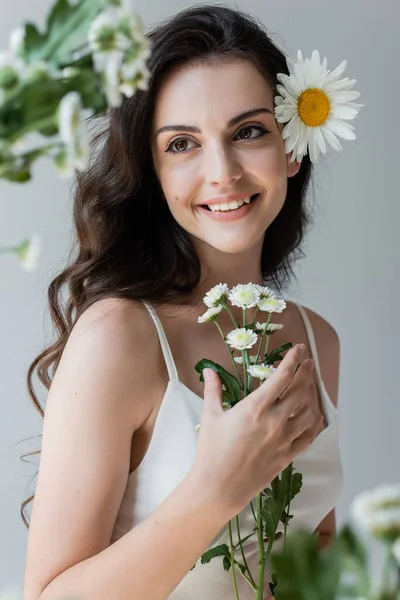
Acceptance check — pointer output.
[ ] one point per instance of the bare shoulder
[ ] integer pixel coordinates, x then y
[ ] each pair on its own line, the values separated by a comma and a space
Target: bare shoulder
119, 335
96, 402
328, 349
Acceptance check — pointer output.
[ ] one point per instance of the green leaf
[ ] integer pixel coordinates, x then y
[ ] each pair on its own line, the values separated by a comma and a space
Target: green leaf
222, 550
269, 513
232, 394
275, 355
33, 41
303, 570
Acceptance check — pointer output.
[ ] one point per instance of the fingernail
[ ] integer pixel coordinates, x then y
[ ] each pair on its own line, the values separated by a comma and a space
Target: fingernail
206, 374
302, 347
311, 364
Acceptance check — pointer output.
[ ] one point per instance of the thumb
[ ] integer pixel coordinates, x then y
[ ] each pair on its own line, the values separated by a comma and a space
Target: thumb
212, 390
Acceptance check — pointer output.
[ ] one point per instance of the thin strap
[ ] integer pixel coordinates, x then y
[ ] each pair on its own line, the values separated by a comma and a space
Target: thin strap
169, 361
311, 338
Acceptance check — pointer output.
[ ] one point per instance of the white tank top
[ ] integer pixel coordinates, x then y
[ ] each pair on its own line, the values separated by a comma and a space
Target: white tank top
171, 453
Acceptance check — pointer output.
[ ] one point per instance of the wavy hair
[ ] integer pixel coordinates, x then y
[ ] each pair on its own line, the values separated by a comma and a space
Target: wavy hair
127, 244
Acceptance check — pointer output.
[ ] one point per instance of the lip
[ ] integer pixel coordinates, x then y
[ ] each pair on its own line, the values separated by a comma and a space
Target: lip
231, 215
228, 198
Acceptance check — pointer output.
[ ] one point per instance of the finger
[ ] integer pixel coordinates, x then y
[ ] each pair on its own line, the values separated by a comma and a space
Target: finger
306, 437
212, 392
276, 384
305, 418
300, 390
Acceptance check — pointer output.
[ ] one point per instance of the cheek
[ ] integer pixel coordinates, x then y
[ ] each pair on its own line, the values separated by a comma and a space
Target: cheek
179, 182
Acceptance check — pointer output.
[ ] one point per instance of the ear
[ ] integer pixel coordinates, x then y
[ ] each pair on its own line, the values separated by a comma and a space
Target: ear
292, 167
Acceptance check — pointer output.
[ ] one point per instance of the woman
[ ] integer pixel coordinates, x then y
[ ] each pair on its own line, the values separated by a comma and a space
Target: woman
129, 494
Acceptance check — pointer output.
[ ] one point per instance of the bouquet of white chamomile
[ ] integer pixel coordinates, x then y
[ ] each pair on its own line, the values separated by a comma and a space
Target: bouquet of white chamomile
272, 505
90, 54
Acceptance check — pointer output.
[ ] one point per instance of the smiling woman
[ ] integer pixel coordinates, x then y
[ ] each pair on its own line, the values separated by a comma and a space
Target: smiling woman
191, 185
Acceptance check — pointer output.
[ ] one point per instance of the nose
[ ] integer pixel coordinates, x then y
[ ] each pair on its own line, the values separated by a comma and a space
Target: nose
223, 167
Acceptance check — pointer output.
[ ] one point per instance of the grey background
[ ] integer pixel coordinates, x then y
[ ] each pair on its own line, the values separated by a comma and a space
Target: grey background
349, 275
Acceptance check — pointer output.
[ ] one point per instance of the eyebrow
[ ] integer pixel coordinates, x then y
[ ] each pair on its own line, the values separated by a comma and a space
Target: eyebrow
231, 122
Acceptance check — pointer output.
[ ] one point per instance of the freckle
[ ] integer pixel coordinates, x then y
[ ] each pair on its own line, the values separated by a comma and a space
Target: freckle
176, 198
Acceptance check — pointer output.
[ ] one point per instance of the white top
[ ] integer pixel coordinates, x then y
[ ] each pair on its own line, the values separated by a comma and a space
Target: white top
171, 454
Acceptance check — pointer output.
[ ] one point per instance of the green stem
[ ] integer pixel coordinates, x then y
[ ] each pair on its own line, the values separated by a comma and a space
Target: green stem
228, 310
230, 353
261, 562
7, 249
288, 508
243, 554
233, 562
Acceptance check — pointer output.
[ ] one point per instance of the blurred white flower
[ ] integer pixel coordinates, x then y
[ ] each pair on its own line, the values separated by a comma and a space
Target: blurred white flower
262, 371
241, 338
218, 294
244, 295
378, 511
28, 253
74, 133
396, 550
210, 314
16, 41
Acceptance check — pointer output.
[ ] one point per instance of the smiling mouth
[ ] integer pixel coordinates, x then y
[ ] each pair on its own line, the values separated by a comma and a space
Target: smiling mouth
253, 197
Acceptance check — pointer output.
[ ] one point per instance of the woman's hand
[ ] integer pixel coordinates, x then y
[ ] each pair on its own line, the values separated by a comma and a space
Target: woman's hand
241, 450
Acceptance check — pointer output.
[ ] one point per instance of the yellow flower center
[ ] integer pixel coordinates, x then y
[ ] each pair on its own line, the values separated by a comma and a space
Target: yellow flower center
314, 107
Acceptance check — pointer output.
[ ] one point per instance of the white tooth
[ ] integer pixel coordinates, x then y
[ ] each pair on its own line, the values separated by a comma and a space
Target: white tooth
229, 206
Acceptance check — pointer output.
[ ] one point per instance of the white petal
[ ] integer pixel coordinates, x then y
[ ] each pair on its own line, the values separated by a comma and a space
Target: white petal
320, 140
337, 86
331, 138
341, 97
338, 72
343, 130
341, 111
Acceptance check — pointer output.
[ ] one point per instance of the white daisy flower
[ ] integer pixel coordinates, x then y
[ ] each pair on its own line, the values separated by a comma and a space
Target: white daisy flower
265, 292
315, 103
210, 314
378, 511
262, 371
241, 339
272, 305
268, 327
244, 295
197, 428
239, 359
112, 79
16, 41
396, 550
104, 35
69, 117
217, 295
74, 133
28, 253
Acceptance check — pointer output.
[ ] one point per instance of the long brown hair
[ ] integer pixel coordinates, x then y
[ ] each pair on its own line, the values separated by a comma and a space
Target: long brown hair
127, 243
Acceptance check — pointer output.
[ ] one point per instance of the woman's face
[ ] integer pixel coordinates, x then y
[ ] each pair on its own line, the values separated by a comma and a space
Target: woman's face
219, 139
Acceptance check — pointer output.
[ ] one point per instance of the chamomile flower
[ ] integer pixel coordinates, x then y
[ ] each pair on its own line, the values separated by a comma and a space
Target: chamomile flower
265, 292
74, 133
211, 314
262, 371
314, 103
244, 295
272, 305
396, 550
378, 511
268, 328
239, 359
241, 339
217, 295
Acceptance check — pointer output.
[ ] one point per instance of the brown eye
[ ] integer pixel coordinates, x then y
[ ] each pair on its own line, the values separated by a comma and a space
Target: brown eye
181, 145
246, 133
